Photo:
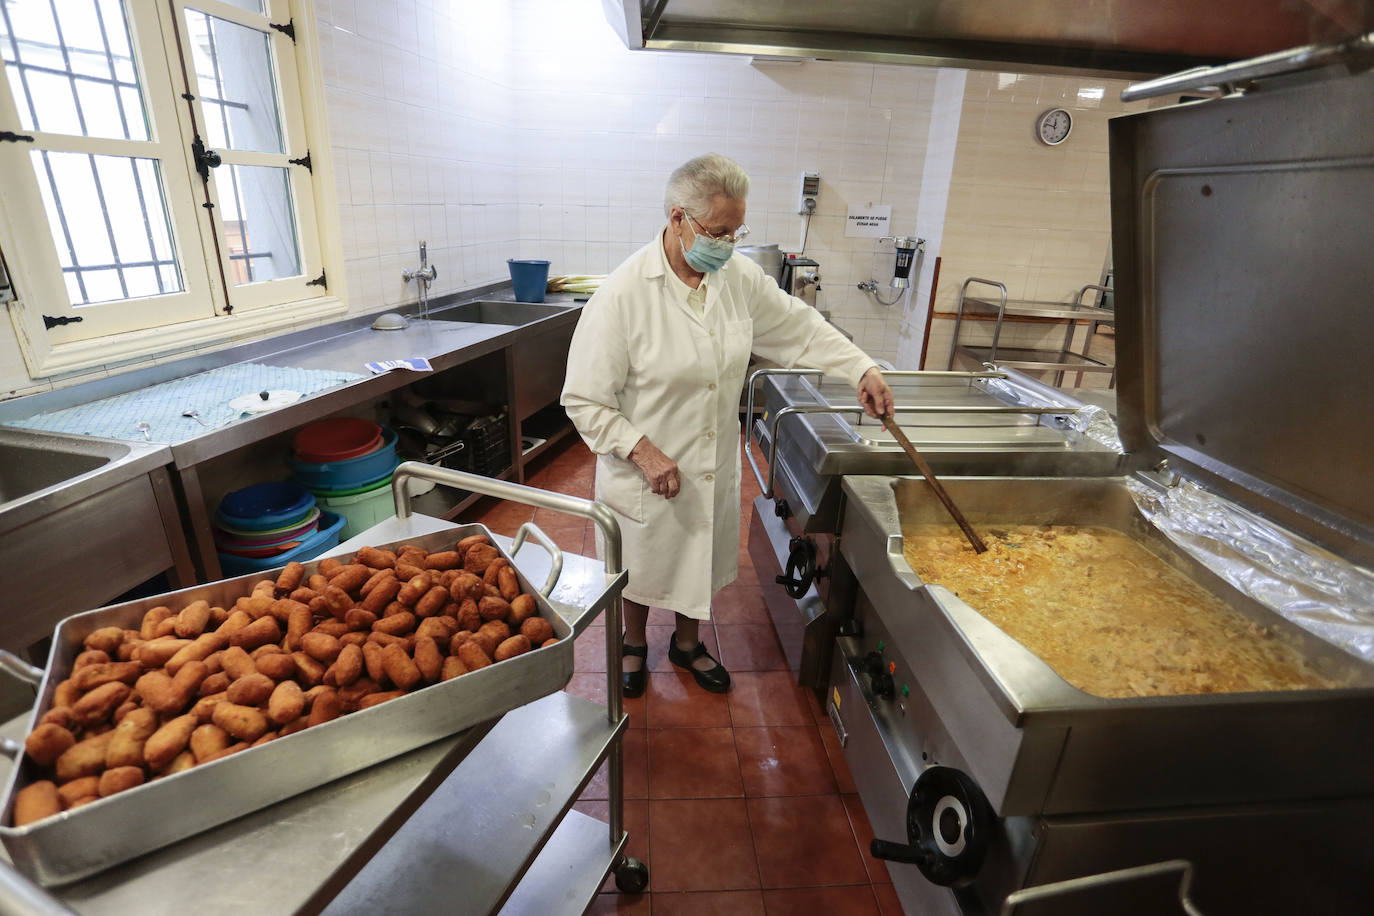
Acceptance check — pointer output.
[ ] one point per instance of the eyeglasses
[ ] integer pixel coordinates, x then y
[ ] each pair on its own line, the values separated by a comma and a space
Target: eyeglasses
739, 233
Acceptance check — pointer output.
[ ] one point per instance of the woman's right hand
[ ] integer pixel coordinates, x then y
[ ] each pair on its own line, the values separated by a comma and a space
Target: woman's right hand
660, 470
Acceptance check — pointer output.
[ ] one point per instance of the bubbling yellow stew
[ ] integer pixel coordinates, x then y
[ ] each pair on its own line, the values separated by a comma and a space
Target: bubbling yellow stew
1106, 614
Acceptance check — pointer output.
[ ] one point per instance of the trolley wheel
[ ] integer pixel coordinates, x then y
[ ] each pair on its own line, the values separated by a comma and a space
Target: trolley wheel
632, 876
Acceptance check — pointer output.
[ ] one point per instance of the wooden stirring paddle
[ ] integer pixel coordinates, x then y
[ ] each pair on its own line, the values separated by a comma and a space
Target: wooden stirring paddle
915, 456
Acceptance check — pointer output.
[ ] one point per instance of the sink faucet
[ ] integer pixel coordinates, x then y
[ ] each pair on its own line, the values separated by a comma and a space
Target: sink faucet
424, 276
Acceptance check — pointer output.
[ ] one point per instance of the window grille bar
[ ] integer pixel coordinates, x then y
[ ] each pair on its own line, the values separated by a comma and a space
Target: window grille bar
219, 78
160, 262
87, 77
243, 219
224, 120
18, 60
226, 103
114, 78
95, 173
147, 222
67, 62
104, 81
109, 227
47, 166
154, 262
62, 220
124, 124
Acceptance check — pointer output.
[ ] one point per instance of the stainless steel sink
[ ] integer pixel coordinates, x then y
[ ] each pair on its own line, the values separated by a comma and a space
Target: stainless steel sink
490, 311
84, 519
26, 469
41, 472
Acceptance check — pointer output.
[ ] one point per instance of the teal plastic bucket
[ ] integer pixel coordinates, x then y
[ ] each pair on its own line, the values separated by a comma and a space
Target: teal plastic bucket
529, 278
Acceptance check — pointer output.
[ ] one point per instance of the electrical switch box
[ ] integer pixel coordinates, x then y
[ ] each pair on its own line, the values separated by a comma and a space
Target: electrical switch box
810, 192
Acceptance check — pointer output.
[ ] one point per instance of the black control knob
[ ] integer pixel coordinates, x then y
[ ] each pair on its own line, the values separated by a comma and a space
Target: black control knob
781, 509
879, 678
801, 569
949, 826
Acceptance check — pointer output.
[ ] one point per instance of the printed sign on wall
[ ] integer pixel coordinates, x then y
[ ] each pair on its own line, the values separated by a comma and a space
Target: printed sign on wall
868, 221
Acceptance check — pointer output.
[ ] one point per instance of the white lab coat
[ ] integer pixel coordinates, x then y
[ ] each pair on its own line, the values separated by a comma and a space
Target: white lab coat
644, 363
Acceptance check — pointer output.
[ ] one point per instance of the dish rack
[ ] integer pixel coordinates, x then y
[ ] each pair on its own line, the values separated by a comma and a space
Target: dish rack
487, 446
442, 438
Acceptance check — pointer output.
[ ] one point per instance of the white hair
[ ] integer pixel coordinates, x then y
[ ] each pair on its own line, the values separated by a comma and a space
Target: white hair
694, 183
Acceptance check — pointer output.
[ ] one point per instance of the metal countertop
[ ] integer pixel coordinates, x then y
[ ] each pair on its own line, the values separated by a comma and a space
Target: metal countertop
345, 345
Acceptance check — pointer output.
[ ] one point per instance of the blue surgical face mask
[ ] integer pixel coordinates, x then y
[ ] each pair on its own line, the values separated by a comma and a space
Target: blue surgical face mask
708, 255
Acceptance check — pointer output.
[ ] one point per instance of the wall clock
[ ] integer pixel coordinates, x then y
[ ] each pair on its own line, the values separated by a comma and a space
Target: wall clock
1053, 126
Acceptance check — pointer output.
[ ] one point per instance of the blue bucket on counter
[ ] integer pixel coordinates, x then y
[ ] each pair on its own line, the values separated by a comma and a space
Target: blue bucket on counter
529, 279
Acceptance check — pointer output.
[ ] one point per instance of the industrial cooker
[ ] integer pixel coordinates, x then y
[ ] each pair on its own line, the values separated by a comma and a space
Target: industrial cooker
1240, 228
810, 433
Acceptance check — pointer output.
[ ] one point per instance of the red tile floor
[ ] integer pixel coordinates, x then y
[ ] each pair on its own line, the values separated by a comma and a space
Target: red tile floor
739, 803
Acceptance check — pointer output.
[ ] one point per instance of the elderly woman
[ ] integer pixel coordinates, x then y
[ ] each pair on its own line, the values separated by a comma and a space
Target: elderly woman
654, 379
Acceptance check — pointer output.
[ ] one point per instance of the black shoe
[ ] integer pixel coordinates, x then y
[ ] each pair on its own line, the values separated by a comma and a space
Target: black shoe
716, 680
632, 682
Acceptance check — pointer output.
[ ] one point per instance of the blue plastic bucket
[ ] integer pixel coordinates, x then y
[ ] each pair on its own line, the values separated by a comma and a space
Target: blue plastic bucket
351, 472
265, 506
529, 278
316, 543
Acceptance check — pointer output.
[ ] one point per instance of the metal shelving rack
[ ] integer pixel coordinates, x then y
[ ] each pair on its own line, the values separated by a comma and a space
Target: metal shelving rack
477, 823
1061, 361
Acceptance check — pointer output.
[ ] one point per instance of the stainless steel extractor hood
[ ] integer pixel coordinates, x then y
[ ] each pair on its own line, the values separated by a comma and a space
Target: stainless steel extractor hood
1117, 38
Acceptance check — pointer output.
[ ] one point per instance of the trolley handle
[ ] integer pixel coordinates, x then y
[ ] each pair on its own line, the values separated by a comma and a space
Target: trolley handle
515, 492
13, 664
530, 529
1182, 867
959, 317
556, 502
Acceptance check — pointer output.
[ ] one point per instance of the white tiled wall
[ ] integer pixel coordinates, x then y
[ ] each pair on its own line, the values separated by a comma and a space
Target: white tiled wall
417, 95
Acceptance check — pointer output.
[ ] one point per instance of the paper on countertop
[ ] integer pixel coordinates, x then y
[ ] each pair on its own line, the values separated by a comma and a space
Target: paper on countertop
415, 363
161, 406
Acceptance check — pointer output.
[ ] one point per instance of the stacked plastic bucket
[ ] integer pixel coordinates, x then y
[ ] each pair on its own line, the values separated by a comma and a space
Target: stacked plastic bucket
346, 463
269, 524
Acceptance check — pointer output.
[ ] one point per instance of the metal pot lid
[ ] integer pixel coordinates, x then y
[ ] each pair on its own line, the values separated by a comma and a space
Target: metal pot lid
1243, 277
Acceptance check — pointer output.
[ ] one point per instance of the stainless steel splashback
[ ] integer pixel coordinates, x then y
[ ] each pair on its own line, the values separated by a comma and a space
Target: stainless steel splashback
1241, 233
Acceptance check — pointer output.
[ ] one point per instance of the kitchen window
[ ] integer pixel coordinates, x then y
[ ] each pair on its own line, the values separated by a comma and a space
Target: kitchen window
164, 175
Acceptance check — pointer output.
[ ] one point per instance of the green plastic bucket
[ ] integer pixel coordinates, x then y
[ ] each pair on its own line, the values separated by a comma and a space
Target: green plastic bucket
360, 511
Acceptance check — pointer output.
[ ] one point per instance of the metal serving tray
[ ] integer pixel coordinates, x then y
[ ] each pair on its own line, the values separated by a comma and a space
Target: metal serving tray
1036, 744
75, 844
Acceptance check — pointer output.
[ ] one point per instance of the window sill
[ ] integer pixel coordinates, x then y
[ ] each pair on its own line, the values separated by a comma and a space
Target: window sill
44, 360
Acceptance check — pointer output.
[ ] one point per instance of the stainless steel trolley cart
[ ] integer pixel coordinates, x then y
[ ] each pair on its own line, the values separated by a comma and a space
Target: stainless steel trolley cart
477, 822
1032, 359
